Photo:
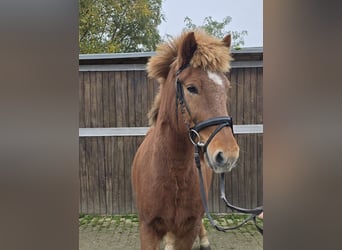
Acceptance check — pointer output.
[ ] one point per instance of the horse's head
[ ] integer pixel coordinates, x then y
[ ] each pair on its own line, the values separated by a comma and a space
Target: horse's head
195, 65
201, 89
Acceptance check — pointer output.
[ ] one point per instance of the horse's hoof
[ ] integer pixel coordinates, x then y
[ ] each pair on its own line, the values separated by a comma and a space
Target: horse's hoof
205, 248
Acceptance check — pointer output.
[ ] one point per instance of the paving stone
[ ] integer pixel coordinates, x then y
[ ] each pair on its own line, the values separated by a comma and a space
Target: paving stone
124, 234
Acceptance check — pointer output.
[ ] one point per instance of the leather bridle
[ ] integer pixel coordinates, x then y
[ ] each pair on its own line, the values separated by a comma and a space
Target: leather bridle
220, 122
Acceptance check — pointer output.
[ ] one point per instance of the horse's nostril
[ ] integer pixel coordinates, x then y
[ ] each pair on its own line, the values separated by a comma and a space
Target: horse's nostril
219, 158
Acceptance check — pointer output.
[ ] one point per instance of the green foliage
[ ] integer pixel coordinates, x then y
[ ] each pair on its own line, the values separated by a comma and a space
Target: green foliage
107, 26
218, 29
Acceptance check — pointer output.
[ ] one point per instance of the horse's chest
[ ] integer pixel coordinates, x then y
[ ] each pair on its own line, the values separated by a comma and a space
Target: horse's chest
181, 198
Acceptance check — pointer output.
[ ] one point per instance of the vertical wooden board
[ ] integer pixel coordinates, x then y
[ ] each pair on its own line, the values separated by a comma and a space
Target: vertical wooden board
128, 156
254, 170
105, 99
247, 107
214, 191
228, 189
260, 169
121, 102
120, 175
116, 177
93, 102
108, 166
253, 140
259, 96
90, 175
259, 108
145, 103
248, 171
99, 100
131, 94
253, 96
233, 95
138, 86
112, 100
95, 174
87, 99
247, 104
83, 177
102, 175
239, 177
81, 117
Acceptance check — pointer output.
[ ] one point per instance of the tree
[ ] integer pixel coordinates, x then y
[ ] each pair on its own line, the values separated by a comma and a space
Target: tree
119, 25
218, 29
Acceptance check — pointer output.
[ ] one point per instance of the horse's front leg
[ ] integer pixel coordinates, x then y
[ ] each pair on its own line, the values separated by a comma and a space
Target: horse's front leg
169, 241
203, 237
149, 237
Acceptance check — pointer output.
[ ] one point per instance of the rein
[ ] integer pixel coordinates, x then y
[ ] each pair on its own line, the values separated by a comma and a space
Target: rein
223, 121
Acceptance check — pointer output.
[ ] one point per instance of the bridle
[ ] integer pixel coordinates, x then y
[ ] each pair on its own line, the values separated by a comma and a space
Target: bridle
220, 122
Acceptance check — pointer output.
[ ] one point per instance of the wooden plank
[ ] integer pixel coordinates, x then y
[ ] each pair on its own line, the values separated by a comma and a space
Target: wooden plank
128, 157
238, 178
112, 101
101, 176
87, 98
120, 171
121, 99
143, 101
108, 168
105, 99
116, 177
259, 93
260, 169
81, 118
136, 102
259, 119
215, 206
83, 176
93, 102
253, 143
90, 170
247, 106
95, 175
131, 94
99, 100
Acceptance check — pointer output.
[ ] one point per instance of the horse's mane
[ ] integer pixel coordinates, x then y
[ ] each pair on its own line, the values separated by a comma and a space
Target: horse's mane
211, 54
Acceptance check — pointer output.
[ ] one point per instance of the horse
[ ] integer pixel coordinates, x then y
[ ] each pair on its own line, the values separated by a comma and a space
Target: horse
190, 70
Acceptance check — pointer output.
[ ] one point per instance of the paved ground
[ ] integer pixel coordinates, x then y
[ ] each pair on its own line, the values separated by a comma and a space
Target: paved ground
121, 232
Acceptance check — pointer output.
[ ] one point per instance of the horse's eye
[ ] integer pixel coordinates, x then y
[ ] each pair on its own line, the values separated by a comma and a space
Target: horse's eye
192, 90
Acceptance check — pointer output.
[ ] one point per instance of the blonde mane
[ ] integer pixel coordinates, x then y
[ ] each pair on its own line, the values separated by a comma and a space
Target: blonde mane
211, 55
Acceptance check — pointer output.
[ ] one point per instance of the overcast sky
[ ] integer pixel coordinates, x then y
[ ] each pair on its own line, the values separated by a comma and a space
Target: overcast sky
246, 15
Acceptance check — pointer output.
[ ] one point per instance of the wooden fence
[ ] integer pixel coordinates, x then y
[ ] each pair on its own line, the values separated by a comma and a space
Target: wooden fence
114, 92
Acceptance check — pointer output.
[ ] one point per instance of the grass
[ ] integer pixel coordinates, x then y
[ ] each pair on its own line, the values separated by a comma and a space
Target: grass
132, 220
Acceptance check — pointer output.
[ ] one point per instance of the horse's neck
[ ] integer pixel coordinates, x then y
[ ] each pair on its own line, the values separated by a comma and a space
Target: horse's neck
174, 139
172, 131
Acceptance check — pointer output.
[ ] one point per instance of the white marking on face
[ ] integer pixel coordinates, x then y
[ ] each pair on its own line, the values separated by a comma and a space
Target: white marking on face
215, 78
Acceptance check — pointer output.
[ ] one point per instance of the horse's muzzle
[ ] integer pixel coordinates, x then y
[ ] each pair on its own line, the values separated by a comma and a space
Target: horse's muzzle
221, 162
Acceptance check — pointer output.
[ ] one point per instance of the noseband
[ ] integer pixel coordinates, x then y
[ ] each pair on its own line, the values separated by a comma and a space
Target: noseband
220, 122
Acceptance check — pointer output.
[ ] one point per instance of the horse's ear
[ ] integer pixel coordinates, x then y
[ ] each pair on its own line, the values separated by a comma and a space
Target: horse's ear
227, 40
187, 49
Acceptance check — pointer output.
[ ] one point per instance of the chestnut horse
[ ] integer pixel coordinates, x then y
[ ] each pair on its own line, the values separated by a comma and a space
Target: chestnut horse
164, 176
